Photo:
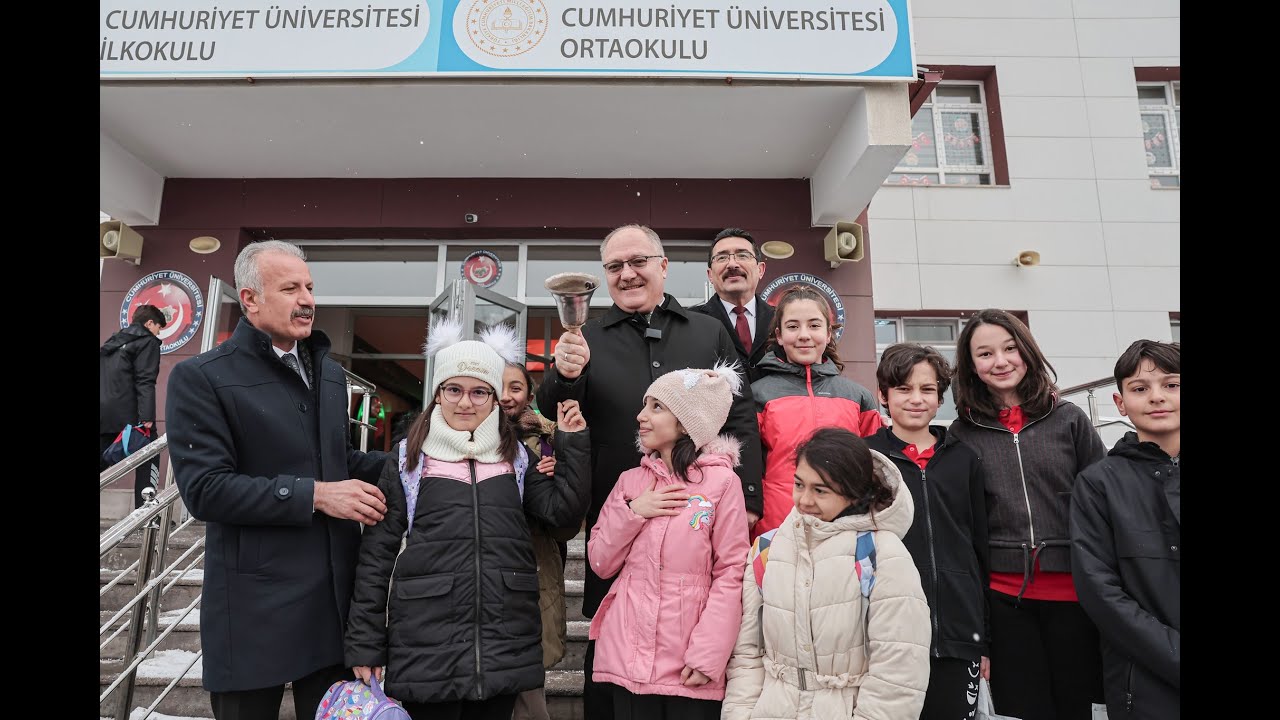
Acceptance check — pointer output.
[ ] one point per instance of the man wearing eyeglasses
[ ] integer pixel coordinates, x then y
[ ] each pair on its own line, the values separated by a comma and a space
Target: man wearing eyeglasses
645, 334
734, 268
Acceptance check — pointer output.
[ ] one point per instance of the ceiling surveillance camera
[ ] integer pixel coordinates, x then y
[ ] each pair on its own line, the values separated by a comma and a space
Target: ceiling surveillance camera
471, 218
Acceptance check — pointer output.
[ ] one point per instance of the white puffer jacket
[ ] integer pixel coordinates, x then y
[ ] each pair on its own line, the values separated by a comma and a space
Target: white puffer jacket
825, 656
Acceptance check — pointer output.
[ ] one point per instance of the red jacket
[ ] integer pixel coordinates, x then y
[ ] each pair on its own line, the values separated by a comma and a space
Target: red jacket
791, 402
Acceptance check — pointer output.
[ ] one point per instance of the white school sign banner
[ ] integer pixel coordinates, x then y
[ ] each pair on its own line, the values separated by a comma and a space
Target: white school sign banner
784, 39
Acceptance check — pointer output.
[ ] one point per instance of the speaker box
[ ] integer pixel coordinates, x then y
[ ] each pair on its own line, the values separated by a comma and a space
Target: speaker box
119, 241
843, 244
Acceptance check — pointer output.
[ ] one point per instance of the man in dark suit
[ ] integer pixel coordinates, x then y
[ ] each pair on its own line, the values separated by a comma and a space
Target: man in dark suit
734, 267
644, 335
258, 434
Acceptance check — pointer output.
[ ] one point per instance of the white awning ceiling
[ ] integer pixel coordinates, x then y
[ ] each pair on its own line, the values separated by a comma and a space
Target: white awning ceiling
845, 137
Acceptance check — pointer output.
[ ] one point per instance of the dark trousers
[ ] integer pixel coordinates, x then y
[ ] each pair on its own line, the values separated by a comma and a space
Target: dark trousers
147, 474
630, 706
953, 689
1046, 663
597, 698
264, 703
495, 708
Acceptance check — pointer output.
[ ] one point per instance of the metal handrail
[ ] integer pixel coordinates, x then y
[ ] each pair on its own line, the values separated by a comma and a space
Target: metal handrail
117, 471
152, 577
1091, 385
1094, 418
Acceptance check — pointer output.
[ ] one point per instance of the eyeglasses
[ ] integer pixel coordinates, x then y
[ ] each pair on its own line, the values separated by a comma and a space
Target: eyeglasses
636, 263
742, 256
454, 393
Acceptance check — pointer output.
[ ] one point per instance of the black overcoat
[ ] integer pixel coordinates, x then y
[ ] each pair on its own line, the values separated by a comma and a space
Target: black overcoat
248, 441
624, 362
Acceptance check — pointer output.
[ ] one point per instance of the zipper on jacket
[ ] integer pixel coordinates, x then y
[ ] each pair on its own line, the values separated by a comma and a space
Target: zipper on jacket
1021, 473
808, 384
1128, 691
475, 498
1026, 496
933, 560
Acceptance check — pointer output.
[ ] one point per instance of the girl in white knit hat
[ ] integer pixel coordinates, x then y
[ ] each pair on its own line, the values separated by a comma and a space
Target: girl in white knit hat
673, 531
458, 631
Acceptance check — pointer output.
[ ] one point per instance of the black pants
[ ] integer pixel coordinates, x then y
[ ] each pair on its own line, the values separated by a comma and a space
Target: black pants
1046, 663
597, 698
953, 689
147, 474
629, 706
264, 703
495, 708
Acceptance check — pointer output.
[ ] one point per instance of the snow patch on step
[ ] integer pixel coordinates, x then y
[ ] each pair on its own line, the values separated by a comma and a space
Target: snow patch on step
168, 663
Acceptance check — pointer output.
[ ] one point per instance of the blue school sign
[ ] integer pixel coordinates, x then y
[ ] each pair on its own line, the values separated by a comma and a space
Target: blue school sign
807, 39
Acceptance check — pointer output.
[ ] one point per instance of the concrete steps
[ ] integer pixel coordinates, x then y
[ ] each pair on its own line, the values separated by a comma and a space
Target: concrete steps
188, 700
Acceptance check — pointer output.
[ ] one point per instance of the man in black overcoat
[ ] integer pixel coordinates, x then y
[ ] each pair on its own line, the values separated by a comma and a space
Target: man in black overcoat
259, 439
644, 335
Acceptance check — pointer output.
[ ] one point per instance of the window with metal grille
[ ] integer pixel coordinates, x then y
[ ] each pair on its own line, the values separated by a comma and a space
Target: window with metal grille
950, 139
1160, 106
939, 333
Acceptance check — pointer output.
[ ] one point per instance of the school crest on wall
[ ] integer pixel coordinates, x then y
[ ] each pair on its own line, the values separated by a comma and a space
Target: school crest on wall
177, 296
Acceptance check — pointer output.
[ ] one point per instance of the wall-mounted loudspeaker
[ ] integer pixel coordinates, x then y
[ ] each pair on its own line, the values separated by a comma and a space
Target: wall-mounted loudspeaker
119, 241
1027, 258
843, 244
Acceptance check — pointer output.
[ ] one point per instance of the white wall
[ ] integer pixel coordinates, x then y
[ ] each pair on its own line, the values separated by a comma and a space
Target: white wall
1078, 191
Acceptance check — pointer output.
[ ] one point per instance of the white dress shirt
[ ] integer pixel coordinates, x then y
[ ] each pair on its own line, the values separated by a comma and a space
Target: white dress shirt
294, 352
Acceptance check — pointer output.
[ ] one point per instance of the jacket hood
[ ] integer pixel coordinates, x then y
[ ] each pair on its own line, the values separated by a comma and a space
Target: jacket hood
125, 336
1132, 448
723, 451
771, 363
896, 518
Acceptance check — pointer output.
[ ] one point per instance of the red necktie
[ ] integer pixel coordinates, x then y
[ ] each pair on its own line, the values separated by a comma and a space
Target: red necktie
744, 333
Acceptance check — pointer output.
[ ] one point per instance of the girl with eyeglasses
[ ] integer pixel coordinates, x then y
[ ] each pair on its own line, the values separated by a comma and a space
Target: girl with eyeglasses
446, 595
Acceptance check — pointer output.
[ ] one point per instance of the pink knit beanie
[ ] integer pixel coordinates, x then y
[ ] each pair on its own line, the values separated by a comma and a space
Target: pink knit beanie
699, 398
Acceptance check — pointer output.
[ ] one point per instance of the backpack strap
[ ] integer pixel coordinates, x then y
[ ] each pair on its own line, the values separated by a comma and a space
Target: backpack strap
760, 556
865, 557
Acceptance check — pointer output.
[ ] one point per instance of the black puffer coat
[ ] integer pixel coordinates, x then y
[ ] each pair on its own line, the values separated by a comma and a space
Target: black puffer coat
462, 622
128, 364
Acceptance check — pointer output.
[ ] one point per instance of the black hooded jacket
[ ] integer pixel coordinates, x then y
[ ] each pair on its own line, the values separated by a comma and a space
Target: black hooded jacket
947, 539
128, 365
1126, 547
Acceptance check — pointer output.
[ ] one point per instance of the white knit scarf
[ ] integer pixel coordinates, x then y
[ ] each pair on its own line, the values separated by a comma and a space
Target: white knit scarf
449, 445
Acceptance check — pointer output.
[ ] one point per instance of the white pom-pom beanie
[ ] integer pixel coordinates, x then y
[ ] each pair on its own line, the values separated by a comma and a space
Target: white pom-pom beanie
699, 398
481, 359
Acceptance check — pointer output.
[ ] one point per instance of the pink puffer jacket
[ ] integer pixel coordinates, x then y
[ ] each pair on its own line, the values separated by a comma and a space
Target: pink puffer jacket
678, 598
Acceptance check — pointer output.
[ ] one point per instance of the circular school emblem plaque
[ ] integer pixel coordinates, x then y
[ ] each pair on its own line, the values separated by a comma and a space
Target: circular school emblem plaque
177, 296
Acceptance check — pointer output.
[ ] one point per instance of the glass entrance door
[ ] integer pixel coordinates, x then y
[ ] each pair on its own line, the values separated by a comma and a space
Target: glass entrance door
223, 313
474, 308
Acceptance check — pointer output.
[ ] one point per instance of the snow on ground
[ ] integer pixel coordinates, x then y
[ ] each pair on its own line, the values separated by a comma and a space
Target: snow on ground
137, 715
190, 622
168, 663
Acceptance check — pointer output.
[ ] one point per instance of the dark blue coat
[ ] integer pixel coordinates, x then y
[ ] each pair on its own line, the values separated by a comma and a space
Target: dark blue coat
248, 442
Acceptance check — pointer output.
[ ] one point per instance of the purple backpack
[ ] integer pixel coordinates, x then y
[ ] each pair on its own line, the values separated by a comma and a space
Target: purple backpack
353, 699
